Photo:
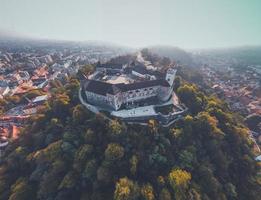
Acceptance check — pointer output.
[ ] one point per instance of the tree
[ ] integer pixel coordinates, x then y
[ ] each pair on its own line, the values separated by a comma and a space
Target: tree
165, 194
253, 121
153, 126
186, 159
82, 155
89, 136
21, 190
147, 192
115, 127
83, 152
79, 114
161, 181
194, 195
179, 180
87, 69
90, 169
177, 82
231, 190
104, 174
114, 152
60, 155
60, 104
51, 179
133, 163
69, 181
126, 190
191, 97
209, 183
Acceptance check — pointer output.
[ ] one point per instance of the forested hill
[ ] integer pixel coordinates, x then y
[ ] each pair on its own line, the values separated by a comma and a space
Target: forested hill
67, 153
174, 53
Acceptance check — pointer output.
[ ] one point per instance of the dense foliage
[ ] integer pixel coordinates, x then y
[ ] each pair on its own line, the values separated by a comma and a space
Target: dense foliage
68, 153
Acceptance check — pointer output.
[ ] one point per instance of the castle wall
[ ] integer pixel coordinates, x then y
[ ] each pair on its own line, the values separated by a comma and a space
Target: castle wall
170, 76
164, 93
97, 99
139, 94
115, 101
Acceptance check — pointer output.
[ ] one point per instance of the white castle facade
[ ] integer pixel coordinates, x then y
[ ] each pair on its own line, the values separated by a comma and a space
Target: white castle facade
114, 96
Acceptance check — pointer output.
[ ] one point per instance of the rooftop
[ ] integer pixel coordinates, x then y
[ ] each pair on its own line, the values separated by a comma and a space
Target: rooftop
104, 88
40, 98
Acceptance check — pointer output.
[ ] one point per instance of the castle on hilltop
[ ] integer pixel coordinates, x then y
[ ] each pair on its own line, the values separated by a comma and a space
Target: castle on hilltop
135, 92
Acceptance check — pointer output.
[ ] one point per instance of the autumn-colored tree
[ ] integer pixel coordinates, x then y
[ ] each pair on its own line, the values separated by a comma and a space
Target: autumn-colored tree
153, 125
114, 152
161, 181
115, 127
126, 190
147, 192
179, 180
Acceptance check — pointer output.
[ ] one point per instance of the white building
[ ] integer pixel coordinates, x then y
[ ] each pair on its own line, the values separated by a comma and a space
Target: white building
115, 95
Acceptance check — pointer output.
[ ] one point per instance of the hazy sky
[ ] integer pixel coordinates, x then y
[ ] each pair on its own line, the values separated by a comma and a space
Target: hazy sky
183, 23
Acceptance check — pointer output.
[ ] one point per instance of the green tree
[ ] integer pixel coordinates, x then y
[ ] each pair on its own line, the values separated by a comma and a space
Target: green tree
104, 174
21, 190
165, 194
186, 159
133, 163
79, 114
177, 82
191, 97
90, 169
230, 190
89, 136
82, 155
87, 69
69, 181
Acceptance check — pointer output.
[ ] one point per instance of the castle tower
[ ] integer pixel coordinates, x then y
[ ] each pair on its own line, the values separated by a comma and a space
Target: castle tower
170, 76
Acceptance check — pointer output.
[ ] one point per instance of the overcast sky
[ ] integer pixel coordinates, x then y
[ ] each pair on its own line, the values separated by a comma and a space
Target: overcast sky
136, 23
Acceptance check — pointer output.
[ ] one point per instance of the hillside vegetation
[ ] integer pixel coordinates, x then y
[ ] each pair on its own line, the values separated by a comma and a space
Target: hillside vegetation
68, 153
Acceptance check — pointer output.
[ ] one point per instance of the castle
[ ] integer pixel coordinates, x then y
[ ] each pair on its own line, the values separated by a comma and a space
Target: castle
115, 95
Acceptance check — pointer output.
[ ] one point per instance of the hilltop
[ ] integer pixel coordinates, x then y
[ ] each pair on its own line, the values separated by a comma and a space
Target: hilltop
66, 152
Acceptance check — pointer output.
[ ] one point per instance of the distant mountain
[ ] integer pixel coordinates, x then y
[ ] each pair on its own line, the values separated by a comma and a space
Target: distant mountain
242, 56
174, 53
9, 40
11, 35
